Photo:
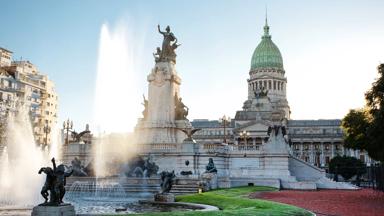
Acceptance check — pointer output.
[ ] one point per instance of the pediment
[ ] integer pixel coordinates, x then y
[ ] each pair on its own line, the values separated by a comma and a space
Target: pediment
257, 125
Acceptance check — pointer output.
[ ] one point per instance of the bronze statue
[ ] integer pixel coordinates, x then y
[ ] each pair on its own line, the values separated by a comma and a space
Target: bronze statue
181, 111
167, 180
167, 52
49, 181
54, 183
78, 169
77, 136
138, 167
189, 132
210, 168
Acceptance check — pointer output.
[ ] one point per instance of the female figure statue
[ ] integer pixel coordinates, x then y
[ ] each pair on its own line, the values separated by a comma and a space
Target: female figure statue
166, 50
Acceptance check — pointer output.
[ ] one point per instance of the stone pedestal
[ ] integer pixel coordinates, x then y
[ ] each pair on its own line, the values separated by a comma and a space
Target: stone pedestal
62, 210
166, 197
210, 180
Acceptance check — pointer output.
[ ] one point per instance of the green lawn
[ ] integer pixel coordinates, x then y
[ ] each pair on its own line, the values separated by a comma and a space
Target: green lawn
235, 201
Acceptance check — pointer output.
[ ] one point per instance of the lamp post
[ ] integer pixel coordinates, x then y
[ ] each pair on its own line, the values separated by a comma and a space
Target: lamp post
67, 126
47, 130
225, 122
244, 134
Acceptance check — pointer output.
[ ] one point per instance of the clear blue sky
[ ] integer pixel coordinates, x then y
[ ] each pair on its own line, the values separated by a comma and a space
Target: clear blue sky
330, 49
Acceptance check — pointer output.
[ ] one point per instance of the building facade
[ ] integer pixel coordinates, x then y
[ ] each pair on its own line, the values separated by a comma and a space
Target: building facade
313, 141
23, 85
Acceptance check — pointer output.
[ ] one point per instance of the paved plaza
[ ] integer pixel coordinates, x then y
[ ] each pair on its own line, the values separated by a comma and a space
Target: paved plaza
331, 202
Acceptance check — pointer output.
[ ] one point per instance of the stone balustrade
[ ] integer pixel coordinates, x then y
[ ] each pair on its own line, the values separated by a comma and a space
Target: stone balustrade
162, 147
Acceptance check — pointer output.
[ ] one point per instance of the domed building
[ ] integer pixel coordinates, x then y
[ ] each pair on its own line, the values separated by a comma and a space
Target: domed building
313, 141
266, 83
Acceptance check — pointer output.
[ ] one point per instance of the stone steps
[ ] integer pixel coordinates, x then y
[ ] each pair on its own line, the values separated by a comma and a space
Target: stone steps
184, 189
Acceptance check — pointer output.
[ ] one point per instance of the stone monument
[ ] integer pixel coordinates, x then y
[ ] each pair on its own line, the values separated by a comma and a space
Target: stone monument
210, 176
164, 111
54, 186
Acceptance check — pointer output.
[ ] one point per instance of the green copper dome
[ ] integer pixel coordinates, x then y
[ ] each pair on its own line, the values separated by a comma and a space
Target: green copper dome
266, 54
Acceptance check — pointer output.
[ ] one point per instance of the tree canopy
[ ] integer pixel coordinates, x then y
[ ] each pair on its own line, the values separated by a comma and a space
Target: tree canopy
346, 166
364, 128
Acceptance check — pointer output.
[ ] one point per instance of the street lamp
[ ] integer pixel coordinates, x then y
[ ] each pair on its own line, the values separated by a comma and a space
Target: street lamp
47, 130
244, 134
67, 125
225, 121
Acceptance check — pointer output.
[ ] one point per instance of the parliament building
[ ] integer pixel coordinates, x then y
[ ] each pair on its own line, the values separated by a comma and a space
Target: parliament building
314, 141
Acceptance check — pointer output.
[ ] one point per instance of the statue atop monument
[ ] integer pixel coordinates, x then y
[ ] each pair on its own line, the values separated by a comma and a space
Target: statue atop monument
180, 109
145, 111
167, 51
189, 133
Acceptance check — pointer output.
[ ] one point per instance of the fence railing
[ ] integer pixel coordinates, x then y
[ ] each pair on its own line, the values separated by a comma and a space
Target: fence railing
372, 176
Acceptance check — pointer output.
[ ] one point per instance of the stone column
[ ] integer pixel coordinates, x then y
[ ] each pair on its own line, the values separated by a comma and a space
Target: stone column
312, 155
301, 150
322, 154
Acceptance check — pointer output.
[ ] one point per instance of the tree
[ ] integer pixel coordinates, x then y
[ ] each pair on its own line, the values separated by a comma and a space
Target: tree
355, 125
364, 128
375, 104
346, 166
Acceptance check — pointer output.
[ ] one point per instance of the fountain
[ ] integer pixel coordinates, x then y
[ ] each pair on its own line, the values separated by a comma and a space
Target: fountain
110, 189
116, 93
21, 159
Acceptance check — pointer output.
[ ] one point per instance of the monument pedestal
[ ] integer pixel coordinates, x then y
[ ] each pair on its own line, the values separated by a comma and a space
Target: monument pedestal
61, 210
210, 180
165, 197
